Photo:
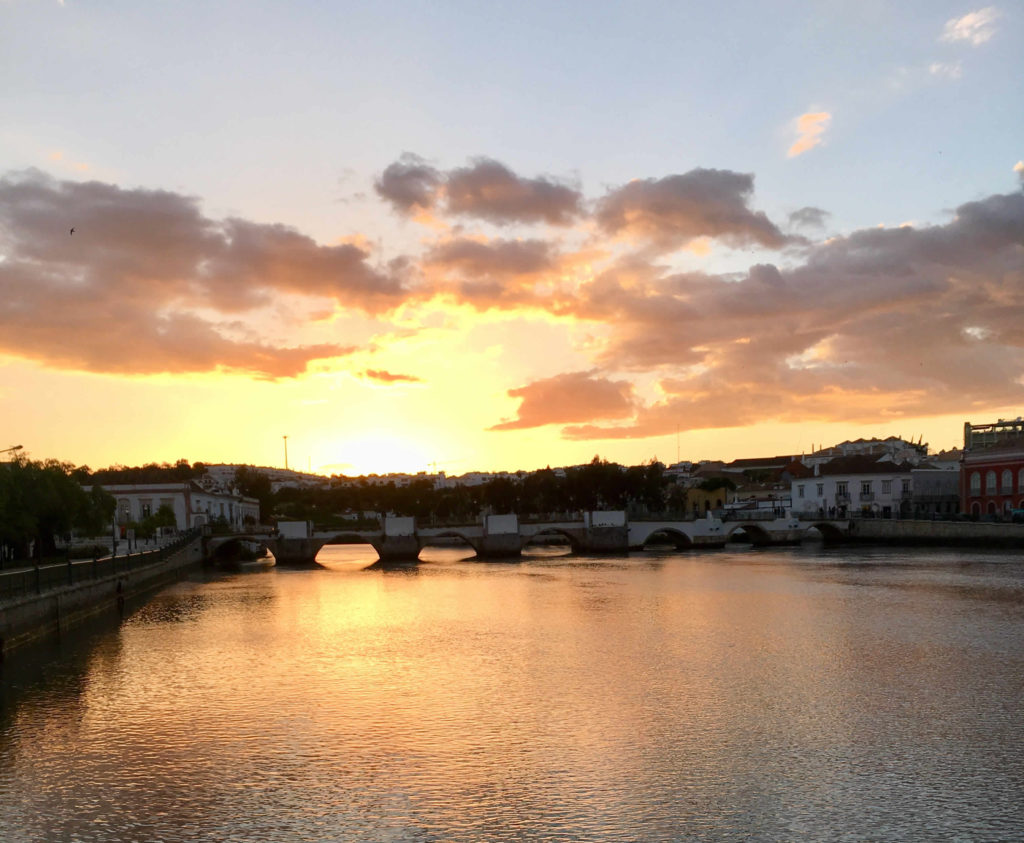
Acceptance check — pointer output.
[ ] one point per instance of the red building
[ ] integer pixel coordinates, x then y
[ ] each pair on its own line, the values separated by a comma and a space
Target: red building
992, 478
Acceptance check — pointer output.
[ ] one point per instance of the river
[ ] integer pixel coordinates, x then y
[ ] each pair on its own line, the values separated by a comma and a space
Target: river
786, 694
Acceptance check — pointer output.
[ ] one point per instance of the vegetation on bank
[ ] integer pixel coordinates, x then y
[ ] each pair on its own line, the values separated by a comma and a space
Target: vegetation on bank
41, 502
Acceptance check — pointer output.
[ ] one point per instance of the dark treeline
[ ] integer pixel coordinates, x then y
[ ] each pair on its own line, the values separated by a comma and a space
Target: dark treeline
179, 472
598, 485
41, 502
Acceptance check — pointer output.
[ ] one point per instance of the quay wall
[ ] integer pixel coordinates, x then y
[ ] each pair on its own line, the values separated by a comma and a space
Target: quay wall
938, 533
35, 616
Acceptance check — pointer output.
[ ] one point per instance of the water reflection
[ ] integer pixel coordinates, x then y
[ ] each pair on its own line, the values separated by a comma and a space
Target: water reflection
738, 695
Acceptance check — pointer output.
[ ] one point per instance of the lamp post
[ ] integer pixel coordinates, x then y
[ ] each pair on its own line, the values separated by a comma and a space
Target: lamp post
285, 452
11, 450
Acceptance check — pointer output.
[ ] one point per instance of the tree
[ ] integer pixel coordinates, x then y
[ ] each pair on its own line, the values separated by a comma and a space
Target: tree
255, 484
41, 501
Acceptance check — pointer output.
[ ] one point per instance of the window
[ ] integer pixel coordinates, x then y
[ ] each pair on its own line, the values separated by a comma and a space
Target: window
800, 490
146, 508
865, 487
842, 488
990, 483
887, 487
1020, 480
976, 483
1006, 488
905, 486
821, 490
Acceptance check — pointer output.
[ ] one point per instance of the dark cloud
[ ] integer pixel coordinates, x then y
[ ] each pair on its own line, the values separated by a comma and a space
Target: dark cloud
409, 184
809, 217
491, 191
670, 212
493, 258
390, 377
486, 190
122, 293
574, 396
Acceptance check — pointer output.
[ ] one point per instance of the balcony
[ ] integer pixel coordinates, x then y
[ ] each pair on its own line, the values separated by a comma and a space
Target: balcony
867, 497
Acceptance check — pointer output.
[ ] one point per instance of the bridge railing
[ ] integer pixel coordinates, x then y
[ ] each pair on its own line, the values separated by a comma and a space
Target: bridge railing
39, 579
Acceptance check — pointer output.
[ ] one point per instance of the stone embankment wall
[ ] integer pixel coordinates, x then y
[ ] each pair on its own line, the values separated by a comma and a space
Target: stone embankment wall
938, 533
55, 611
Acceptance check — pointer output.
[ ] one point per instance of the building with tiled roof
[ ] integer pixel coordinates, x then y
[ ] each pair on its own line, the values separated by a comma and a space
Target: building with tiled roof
856, 484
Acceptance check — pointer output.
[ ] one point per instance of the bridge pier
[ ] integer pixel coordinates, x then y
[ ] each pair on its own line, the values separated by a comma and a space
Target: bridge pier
295, 552
397, 548
501, 538
602, 540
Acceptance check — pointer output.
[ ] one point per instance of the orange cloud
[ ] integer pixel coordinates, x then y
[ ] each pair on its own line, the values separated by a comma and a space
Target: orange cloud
570, 397
809, 127
390, 377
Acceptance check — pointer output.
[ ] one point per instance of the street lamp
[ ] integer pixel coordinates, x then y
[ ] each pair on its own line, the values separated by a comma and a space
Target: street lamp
285, 451
11, 450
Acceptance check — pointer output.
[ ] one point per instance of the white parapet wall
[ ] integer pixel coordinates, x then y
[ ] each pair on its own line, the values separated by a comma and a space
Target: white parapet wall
399, 526
295, 529
605, 518
496, 525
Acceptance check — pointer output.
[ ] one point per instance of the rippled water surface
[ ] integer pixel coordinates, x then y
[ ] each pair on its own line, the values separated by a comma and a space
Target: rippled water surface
801, 694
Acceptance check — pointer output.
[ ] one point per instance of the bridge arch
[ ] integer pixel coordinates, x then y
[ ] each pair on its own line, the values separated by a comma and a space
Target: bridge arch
755, 533
233, 549
830, 533
549, 532
676, 537
348, 538
451, 534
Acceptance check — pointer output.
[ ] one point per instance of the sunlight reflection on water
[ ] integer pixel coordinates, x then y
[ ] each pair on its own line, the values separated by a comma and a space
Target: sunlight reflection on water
788, 694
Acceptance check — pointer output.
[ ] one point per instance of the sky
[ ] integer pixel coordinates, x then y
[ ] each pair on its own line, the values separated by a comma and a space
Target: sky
463, 236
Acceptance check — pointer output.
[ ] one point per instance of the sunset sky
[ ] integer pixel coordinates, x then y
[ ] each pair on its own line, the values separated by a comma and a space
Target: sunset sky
486, 236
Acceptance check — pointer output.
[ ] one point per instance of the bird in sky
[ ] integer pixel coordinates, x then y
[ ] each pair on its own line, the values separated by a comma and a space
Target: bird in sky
72, 231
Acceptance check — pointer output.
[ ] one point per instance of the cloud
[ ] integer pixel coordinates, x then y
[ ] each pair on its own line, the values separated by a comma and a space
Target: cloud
881, 323
946, 70
486, 190
491, 191
975, 27
671, 212
147, 283
809, 217
810, 127
570, 397
389, 377
494, 258
409, 184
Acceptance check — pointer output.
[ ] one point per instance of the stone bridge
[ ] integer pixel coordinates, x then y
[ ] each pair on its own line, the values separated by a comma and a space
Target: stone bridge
503, 536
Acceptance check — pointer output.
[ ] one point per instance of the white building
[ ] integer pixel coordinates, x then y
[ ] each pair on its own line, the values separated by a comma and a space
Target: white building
855, 484
896, 449
192, 505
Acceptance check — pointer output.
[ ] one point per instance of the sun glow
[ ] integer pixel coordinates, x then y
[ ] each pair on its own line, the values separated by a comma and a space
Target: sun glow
380, 452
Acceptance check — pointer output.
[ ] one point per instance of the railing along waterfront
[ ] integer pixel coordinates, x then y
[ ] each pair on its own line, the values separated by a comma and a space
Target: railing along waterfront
42, 578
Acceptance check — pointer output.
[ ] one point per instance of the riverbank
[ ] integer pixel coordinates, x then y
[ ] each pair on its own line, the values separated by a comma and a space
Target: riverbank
90, 589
